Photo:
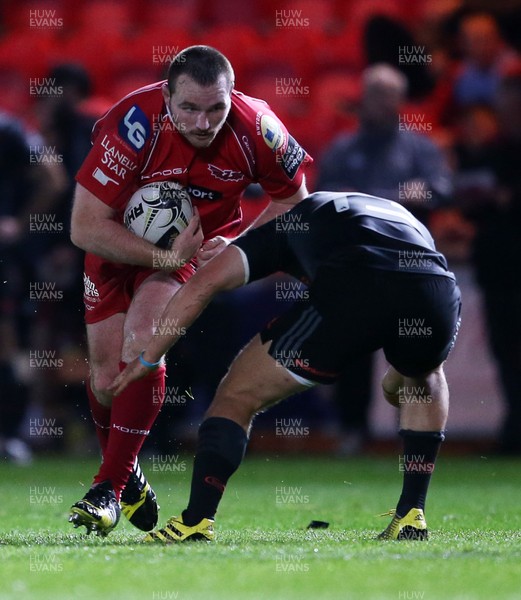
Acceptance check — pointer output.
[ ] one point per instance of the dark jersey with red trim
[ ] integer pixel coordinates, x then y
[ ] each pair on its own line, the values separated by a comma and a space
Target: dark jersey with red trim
136, 143
336, 231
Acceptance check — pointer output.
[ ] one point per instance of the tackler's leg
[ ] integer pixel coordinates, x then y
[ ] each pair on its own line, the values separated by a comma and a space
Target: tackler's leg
254, 382
423, 402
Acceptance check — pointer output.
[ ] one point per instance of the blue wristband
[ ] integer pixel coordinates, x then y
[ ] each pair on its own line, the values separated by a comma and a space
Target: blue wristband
147, 364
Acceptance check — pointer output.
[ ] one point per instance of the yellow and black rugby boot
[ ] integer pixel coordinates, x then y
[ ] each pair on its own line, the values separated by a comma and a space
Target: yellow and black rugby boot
139, 502
98, 510
176, 531
411, 527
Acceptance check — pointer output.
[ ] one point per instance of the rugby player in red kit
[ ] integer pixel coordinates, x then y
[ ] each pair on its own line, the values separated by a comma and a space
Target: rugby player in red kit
195, 130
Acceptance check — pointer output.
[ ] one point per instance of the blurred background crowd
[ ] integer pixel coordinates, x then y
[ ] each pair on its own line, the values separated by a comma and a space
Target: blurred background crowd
414, 100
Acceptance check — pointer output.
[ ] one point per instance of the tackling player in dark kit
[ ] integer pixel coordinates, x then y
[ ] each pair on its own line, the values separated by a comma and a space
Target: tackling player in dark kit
375, 281
195, 130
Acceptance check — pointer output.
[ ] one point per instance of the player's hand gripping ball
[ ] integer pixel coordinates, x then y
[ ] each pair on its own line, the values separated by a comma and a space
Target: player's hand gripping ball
158, 212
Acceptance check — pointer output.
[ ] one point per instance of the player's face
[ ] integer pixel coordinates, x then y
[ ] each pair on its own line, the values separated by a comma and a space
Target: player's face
199, 111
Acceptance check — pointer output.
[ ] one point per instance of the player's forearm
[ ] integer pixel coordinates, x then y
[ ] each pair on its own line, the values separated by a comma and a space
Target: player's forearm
115, 243
182, 310
94, 229
225, 272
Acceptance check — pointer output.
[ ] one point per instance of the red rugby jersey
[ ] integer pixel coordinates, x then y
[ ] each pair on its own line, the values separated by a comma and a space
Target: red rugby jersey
136, 143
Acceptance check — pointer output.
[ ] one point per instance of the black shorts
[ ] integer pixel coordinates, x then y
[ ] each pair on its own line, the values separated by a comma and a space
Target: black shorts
414, 318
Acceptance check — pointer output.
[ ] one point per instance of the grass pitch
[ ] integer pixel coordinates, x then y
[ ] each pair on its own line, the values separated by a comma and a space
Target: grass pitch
263, 549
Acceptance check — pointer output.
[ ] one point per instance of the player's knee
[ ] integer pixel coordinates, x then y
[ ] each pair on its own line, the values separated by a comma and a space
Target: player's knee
237, 398
392, 398
392, 382
99, 383
431, 385
230, 395
430, 379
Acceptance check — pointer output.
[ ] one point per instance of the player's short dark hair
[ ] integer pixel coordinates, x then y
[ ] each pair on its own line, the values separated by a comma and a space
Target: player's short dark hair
203, 64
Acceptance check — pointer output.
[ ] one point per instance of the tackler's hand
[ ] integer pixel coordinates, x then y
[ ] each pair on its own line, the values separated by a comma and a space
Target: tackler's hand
133, 371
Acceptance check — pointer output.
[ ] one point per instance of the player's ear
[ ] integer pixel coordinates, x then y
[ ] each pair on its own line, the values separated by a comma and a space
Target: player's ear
166, 92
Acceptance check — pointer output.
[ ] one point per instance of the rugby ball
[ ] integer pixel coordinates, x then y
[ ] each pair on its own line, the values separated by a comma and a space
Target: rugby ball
158, 212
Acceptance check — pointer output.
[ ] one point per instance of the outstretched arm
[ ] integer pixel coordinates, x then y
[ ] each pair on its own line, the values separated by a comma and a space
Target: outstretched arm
225, 272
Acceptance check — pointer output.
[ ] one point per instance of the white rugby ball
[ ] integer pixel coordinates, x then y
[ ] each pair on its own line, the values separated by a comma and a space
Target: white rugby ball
158, 212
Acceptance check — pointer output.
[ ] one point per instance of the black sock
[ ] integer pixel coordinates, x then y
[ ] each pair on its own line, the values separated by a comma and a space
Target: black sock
420, 449
220, 450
